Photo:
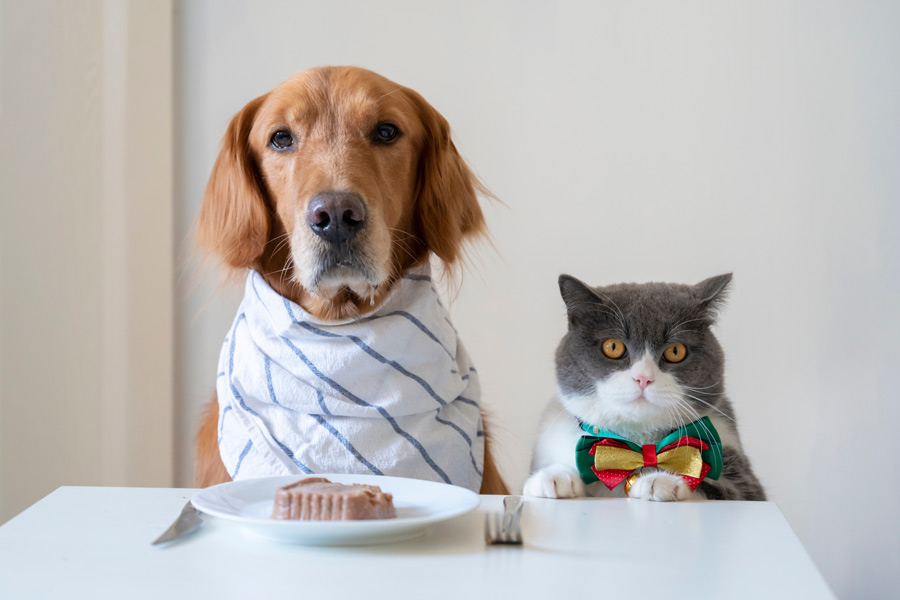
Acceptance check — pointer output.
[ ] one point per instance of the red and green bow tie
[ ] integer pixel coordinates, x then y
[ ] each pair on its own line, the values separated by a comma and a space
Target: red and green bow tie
693, 451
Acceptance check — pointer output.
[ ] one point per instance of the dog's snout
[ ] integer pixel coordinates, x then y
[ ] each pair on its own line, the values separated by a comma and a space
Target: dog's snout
336, 216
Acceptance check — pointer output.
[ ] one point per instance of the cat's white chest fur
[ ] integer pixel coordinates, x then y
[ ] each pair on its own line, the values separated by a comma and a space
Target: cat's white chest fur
640, 413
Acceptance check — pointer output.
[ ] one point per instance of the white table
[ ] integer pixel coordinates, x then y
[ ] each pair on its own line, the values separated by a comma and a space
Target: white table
82, 542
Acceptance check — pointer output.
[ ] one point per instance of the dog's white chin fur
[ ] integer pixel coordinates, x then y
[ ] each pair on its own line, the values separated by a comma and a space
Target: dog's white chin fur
345, 277
363, 279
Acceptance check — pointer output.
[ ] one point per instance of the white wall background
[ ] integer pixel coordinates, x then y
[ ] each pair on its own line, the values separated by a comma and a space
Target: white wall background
86, 288
654, 141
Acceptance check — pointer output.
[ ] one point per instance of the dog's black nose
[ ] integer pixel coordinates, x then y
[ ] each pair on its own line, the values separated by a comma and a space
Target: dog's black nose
336, 216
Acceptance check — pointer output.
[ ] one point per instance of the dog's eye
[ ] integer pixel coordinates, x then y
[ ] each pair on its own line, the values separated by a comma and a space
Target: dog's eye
282, 140
385, 133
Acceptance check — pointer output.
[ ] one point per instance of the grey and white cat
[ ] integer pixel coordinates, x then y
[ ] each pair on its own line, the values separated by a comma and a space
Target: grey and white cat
639, 360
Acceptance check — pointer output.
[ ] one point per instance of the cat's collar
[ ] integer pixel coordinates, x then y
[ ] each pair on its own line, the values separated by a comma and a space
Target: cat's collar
702, 429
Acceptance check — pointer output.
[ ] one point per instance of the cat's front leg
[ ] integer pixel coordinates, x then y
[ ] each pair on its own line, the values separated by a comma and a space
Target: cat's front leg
554, 481
660, 487
554, 474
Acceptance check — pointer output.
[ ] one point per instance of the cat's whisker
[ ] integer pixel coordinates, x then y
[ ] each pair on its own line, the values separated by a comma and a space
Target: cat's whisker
674, 328
689, 414
600, 308
619, 312
697, 418
679, 411
677, 418
557, 417
715, 408
716, 394
694, 389
705, 393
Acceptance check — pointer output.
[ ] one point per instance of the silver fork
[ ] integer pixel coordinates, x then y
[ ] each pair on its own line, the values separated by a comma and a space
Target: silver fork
508, 528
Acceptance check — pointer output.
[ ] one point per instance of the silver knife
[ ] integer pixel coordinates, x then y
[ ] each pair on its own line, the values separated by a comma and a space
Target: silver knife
188, 521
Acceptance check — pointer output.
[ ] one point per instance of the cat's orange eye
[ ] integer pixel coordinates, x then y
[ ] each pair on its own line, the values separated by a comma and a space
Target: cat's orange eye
675, 353
614, 348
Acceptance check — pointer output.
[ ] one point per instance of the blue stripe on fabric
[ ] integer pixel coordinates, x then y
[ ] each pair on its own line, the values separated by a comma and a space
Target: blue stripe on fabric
255, 291
415, 277
234, 391
450, 323
412, 319
287, 305
220, 374
294, 459
424, 329
349, 395
222, 418
437, 297
346, 443
456, 427
241, 458
321, 399
466, 401
285, 449
268, 365
397, 366
480, 434
465, 437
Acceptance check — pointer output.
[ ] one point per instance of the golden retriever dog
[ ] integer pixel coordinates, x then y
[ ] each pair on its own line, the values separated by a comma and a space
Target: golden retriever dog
333, 188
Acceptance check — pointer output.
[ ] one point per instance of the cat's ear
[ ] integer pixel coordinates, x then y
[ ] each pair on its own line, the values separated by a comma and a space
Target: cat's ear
713, 292
578, 297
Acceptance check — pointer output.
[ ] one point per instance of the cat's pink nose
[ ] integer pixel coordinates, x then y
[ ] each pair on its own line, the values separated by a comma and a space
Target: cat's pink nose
643, 381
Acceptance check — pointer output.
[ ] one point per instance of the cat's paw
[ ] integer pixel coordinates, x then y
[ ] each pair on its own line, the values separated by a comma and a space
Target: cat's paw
554, 482
660, 487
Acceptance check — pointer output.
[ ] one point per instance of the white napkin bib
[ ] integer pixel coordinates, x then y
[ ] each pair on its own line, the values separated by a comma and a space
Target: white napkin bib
391, 393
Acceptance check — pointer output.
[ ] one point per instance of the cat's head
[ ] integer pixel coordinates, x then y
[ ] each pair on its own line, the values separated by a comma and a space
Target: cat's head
641, 357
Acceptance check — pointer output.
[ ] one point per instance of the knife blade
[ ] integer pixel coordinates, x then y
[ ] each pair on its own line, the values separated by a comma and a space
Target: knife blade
189, 520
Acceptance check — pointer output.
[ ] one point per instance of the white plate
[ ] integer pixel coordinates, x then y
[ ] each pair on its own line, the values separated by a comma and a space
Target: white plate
419, 505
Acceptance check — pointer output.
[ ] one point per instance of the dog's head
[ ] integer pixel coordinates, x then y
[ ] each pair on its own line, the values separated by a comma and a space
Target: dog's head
334, 183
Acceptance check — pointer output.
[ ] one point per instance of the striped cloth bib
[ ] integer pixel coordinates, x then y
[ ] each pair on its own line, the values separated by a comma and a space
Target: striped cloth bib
391, 393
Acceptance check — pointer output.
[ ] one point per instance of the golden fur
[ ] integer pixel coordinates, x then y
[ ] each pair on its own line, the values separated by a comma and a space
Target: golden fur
419, 193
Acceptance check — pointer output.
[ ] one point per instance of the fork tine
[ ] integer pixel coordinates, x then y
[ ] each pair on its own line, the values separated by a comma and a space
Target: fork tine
516, 529
496, 533
512, 534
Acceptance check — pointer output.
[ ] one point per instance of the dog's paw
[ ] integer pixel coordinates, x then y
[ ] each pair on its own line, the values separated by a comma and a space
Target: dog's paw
660, 487
554, 482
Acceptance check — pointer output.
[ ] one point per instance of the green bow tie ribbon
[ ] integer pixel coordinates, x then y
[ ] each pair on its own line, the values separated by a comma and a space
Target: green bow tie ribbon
693, 451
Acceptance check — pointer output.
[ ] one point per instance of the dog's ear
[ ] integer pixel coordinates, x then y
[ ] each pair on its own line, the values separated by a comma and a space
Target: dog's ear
447, 204
234, 219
